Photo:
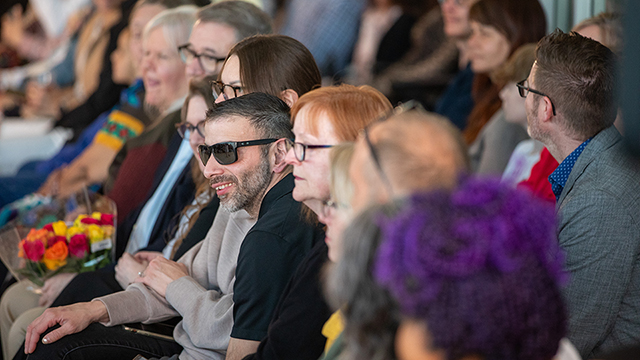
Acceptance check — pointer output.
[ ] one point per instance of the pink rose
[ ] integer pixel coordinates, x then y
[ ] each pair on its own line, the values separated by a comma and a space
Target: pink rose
56, 239
78, 245
106, 219
90, 221
33, 250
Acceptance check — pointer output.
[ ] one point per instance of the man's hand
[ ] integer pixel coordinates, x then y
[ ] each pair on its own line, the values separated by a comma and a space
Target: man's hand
160, 273
147, 255
73, 318
53, 287
128, 268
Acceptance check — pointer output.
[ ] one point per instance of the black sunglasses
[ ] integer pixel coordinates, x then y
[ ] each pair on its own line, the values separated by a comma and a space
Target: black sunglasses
226, 153
524, 90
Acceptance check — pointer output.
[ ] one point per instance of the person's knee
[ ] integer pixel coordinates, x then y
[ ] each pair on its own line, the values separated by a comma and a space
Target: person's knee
19, 329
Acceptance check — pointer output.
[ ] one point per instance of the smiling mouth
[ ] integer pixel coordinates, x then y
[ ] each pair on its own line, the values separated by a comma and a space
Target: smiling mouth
218, 188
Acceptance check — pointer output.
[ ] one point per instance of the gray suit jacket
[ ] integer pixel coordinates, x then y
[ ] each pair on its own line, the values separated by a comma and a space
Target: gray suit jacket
599, 231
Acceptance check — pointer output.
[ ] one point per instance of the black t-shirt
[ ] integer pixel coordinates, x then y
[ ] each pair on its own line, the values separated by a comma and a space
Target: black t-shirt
295, 331
269, 255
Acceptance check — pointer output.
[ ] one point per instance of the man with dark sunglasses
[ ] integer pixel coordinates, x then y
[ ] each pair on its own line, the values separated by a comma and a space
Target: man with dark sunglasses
252, 180
571, 108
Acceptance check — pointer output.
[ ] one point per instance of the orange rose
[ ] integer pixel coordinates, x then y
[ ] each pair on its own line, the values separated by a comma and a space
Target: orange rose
56, 255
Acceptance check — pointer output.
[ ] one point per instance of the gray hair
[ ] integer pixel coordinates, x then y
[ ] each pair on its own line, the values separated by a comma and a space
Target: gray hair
176, 25
370, 314
245, 18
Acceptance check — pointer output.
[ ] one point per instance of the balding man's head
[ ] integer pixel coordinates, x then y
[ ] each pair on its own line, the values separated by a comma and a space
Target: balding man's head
417, 151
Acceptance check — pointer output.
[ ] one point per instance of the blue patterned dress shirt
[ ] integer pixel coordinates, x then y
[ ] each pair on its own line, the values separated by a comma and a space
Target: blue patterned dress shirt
560, 175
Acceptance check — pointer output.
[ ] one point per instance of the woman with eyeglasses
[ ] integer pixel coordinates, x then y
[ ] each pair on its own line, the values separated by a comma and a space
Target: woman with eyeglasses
498, 28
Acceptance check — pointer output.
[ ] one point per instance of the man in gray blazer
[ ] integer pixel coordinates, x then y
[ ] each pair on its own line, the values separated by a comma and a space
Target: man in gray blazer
571, 109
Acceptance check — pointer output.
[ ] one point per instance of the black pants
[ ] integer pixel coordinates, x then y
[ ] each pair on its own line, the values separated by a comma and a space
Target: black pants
98, 342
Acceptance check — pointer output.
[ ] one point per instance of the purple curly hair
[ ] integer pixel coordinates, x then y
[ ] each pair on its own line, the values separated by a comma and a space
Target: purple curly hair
481, 267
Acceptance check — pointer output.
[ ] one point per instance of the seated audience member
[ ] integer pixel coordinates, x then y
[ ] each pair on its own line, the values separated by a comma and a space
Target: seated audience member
321, 118
253, 183
384, 36
328, 28
595, 186
428, 66
172, 186
499, 28
289, 59
100, 141
456, 101
89, 58
337, 214
527, 152
412, 150
232, 21
19, 305
165, 88
124, 120
466, 289
605, 28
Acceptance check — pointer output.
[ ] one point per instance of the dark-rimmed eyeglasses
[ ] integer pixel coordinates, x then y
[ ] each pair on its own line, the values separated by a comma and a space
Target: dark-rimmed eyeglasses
524, 90
226, 153
208, 63
227, 91
409, 105
300, 149
185, 129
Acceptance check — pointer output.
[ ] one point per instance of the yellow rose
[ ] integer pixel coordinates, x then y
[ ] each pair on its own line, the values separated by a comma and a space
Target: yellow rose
96, 215
74, 230
59, 228
95, 233
77, 222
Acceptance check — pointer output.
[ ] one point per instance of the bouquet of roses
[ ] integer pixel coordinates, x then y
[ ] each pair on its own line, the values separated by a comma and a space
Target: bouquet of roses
85, 245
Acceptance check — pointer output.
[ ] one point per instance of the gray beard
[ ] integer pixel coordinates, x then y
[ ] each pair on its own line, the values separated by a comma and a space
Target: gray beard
249, 195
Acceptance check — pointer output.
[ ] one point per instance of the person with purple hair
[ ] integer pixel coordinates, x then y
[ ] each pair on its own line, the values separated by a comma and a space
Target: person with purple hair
476, 273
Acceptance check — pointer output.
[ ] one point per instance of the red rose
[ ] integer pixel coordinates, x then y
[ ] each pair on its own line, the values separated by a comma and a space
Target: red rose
48, 227
56, 239
90, 221
33, 250
78, 245
106, 219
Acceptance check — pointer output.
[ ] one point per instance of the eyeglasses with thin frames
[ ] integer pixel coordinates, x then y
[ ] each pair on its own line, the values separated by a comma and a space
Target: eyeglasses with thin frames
207, 62
524, 90
227, 91
185, 129
408, 106
300, 149
226, 153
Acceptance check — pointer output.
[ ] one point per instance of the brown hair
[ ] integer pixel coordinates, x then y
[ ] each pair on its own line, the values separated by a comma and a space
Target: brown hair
197, 87
517, 67
610, 26
521, 22
578, 73
349, 108
274, 63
